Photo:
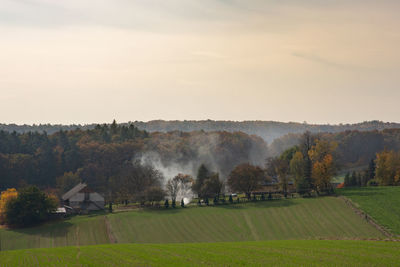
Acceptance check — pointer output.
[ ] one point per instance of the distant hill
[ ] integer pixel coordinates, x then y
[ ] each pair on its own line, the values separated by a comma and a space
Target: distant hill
268, 130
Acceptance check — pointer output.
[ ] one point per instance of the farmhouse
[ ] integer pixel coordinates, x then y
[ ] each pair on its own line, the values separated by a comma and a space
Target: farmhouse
82, 198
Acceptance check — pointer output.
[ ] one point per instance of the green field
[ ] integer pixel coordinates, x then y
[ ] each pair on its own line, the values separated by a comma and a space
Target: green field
262, 253
314, 218
382, 203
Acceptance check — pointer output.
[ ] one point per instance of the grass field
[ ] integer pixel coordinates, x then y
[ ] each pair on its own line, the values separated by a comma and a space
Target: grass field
325, 217
80, 230
316, 218
381, 203
262, 253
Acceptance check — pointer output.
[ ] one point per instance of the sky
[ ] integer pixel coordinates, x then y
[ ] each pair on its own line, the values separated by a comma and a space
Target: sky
92, 61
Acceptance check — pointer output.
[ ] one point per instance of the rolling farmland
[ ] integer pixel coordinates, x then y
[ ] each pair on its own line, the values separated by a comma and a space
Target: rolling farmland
381, 203
316, 218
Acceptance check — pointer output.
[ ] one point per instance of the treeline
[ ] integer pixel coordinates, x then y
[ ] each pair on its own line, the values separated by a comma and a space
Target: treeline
355, 149
101, 155
383, 170
310, 165
268, 130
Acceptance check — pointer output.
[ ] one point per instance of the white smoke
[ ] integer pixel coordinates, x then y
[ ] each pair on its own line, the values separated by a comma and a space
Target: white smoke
170, 171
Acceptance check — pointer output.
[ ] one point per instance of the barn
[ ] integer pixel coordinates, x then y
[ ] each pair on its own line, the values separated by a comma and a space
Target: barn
82, 199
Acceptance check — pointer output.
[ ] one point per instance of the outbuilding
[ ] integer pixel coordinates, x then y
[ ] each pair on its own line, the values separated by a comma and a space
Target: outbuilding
82, 199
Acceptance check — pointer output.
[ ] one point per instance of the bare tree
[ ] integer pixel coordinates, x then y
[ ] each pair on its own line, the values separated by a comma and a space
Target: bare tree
173, 188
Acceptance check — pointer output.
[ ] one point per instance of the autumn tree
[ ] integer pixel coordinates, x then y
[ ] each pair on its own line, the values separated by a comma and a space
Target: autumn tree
135, 182
30, 207
5, 197
246, 178
305, 184
324, 167
388, 168
296, 167
322, 174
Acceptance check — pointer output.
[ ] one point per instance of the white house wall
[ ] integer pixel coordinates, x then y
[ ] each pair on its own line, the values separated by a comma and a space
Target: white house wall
78, 197
96, 197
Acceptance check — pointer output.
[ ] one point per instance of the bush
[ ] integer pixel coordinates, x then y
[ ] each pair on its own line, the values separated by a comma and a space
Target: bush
372, 182
31, 207
215, 201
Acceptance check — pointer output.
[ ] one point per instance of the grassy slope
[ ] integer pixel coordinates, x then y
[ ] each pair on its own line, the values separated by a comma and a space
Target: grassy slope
381, 203
276, 253
326, 217
81, 230
287, 219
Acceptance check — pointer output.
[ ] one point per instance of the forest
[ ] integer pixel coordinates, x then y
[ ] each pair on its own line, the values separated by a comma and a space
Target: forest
100, 155
268, 130
97, 155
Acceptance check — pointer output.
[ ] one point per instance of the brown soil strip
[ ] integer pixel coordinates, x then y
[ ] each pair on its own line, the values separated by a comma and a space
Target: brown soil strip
368, 218
110, 235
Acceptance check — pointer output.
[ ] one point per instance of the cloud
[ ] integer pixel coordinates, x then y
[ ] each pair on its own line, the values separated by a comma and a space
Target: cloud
325, 61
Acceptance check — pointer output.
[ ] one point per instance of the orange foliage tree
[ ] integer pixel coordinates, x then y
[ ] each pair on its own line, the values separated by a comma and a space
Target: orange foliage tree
6, 196
324, 166
322, 173
388, 168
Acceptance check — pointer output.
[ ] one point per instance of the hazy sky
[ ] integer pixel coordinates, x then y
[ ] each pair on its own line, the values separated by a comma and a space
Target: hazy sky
83, 61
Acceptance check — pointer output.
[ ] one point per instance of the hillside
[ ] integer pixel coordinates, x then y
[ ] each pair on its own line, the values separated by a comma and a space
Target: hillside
320, 218
381, 203
275, 253
268, 130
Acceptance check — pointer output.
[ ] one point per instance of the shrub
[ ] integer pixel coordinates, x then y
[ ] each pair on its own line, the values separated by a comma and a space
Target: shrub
31, 207
215, 200
372, 182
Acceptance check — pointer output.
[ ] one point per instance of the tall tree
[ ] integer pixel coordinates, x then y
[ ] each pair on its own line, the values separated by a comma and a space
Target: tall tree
322, 174
202, 174
297, 168
212, 186
246, 178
